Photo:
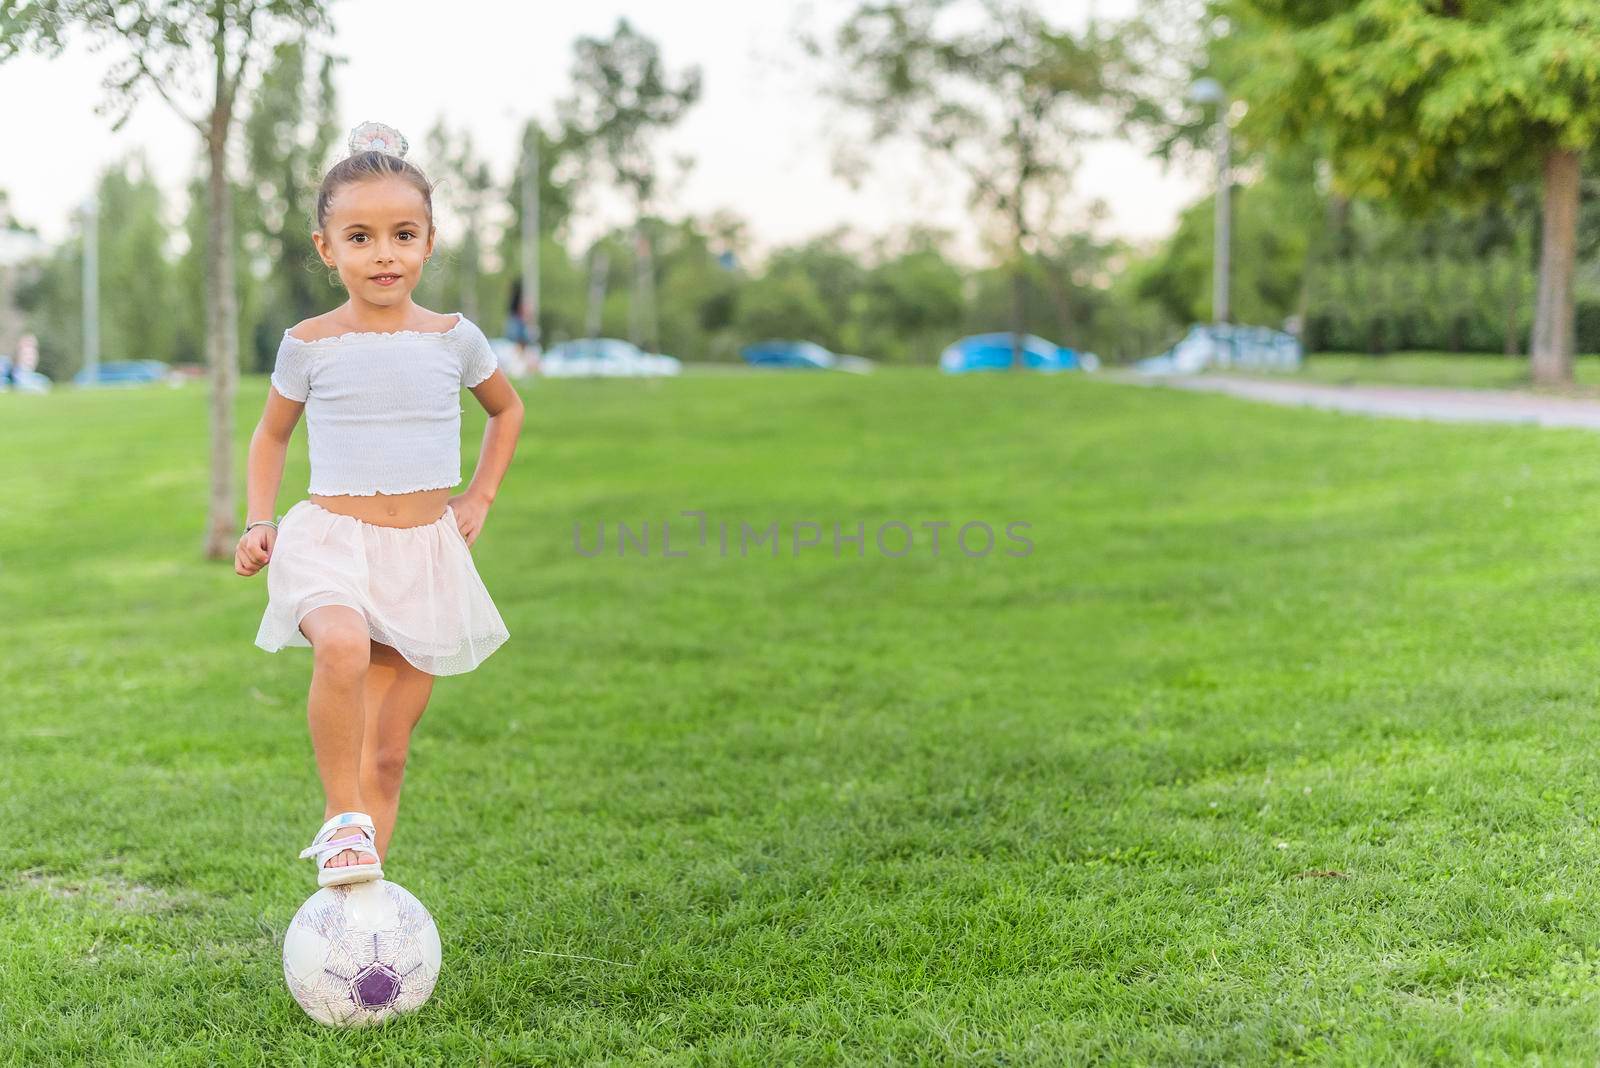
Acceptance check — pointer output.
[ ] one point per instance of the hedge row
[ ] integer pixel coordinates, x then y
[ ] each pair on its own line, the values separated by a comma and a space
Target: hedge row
1441, 305
1433, 330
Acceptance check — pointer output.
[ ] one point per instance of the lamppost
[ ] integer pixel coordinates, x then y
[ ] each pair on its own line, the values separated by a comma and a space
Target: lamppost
1209, 91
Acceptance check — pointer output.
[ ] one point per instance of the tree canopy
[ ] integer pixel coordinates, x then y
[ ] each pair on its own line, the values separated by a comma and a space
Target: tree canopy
1420, 102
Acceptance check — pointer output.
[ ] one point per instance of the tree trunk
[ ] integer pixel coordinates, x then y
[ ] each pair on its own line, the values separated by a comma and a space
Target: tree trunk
1018, 310
1022, 139
1061, 295
469, 269
1019, 287
222, 336
1513, 345
1554, 321
1321, 250
642, 320
599, 274
1338, 226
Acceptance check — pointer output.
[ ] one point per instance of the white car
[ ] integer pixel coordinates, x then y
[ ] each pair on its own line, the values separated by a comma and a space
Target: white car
1226, 345
605, 357
510, 360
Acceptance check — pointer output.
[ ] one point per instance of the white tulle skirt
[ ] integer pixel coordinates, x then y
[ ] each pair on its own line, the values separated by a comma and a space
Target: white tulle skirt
416, 586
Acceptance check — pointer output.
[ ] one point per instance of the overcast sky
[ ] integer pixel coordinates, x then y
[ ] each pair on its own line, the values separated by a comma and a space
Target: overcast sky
759, 135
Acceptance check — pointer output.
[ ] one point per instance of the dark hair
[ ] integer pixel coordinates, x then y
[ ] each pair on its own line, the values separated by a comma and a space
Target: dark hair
364, 166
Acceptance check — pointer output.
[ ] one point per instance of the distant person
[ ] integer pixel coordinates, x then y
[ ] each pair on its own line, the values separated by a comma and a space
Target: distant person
374, 570
517, 329
27, 357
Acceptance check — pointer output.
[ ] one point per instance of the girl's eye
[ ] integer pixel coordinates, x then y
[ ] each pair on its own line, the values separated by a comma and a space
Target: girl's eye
406, 233
357, 238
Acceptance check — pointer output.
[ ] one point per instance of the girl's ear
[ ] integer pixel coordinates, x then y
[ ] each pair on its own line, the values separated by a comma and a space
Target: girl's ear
322, 246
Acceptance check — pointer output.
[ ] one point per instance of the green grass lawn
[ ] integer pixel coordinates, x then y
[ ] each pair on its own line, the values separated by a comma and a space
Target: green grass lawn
1459, 371
1280, 745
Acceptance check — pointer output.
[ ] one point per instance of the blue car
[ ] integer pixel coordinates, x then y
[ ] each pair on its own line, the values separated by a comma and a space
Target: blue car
992, 352
802, 355
123, 373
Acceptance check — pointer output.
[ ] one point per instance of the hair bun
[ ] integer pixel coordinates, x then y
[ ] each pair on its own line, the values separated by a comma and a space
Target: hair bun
378, 137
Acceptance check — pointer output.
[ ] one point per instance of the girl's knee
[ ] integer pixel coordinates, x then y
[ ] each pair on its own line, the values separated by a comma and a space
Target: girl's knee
342, 648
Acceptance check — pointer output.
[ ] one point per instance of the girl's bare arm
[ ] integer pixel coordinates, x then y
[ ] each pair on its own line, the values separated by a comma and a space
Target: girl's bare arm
499, 398
269, 445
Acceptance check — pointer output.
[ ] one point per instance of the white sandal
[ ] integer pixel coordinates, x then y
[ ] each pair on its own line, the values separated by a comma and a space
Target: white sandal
329, 842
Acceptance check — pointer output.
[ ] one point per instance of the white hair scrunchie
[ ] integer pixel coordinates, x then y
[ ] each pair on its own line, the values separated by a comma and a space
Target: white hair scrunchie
378, 137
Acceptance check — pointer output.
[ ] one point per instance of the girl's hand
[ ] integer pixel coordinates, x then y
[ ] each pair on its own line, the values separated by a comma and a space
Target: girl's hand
471, 510
255, 549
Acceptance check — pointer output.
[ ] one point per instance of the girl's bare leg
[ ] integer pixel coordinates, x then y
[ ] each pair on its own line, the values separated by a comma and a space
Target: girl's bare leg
396, 695
341, 650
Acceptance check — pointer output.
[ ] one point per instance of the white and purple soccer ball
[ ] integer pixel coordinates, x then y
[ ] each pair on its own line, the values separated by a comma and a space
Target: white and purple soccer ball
359, 954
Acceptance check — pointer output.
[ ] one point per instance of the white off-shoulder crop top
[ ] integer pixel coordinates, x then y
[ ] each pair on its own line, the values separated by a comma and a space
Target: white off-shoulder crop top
383, 410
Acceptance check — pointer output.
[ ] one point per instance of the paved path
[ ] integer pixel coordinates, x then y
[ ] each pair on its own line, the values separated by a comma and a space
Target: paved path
1400, 402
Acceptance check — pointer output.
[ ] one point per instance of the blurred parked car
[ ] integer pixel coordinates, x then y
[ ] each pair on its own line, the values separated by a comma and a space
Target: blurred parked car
512, 360
992, 352
123, 373
804, 355
605, 357
1257, 348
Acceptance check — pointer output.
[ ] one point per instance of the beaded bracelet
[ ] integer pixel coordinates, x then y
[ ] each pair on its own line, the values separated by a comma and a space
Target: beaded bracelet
260, 522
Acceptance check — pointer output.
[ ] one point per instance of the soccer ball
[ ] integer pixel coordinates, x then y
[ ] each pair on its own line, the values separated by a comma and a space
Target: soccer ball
358, 954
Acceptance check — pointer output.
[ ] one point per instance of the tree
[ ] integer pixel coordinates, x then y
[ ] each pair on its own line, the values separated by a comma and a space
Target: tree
19, 244
1002, 97
1422, 102
289, 135
137, 284
135, 267
467, 180
623, 99
835, 274
700, 291
910, 304
168, 46
1275, 221
781, 304
561, 290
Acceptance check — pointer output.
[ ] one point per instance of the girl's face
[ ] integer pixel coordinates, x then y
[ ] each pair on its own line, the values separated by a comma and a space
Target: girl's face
377, 236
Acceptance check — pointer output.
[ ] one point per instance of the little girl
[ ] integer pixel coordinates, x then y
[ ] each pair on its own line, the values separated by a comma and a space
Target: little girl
373, 571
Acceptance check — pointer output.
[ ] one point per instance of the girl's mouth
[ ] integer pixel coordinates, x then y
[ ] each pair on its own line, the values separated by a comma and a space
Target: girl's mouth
386, 279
